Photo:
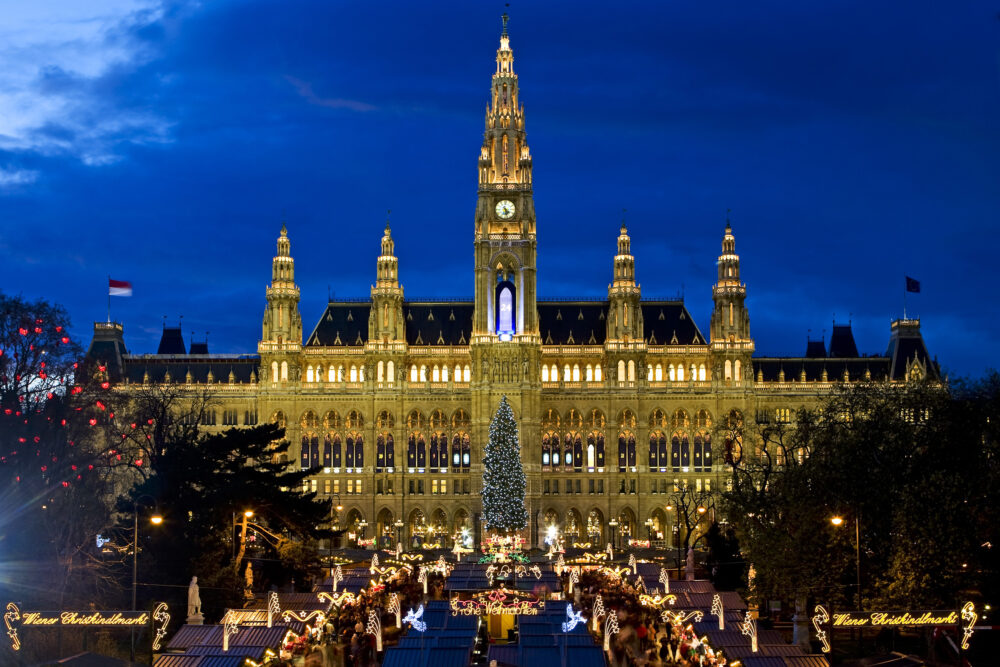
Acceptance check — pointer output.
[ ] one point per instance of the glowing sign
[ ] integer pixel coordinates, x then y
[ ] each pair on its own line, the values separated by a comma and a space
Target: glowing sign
160, 614
86, 618
717, 610
821, 618
681, 617
655, 601
501, 602
969, 615
867, 619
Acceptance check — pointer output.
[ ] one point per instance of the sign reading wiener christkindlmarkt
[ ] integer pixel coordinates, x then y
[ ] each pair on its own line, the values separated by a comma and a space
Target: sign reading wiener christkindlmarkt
15, 619
893, 619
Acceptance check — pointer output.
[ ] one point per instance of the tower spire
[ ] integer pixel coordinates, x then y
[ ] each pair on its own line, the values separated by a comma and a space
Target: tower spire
505, 18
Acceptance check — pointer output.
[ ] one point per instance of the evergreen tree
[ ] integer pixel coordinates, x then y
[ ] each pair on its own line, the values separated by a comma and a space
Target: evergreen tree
503, 476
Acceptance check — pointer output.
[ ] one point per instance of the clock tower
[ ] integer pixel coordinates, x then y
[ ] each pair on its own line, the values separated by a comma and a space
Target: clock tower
505, 245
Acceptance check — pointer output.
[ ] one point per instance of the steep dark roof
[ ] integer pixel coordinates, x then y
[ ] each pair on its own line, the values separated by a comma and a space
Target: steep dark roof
815, 349
108, 347
342, 323
842, 342
172, 341
137, 367
906, 345
572, 322
442, 323
857, 368
199, 348
669, 323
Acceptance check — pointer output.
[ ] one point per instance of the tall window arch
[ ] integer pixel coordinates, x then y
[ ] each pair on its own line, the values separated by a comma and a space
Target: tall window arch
505, 311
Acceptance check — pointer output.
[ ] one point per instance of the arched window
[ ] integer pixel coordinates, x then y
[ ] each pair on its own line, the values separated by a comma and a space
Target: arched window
361, 373
444, 374
694, 372
545, 373
566, 373
737, 374
310, 451
458, 373
631, 370
274, 371
327, 452
576, 372
423, 373
436, 373
672, 373
466, 452
340, 373
506, 318
546, 450
680, 372
702, 454
590, 373
390, 372
337, 453
466, 374
309, 373
701, 373
354, 455
621, 371
413, 374
729, 370
380, 372
577, 452
597, 373
659, 372
332, 374
284, 371
354, 373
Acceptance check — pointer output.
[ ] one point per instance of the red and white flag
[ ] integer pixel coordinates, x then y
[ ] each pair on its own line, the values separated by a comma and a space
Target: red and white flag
119, 288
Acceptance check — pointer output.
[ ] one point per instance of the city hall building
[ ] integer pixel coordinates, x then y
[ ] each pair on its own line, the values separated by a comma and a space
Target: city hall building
620, 401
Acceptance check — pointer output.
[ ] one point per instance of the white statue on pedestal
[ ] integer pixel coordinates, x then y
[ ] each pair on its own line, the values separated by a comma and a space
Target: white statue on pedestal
194, 603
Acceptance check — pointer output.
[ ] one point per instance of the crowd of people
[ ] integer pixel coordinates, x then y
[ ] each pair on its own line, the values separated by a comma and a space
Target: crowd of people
644, 638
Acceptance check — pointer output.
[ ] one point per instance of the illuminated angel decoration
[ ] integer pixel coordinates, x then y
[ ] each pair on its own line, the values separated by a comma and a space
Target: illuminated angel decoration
821, 617
160, 614
572, 619
414, 619
535, 570
749, 628
970, 616
717, 609
491, 573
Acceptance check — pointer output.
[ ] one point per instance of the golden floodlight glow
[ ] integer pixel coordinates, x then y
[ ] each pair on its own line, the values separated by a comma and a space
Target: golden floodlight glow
837, 520
701, 510
670, 508
248, 513
156, 519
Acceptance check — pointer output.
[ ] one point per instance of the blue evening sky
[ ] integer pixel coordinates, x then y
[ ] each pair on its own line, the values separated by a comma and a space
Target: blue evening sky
159, 142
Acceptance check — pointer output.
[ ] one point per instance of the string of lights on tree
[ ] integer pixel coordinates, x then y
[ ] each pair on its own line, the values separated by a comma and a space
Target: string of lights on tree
503, 475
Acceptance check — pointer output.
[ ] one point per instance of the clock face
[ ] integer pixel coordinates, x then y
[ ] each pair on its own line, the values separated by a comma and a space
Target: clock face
505, 209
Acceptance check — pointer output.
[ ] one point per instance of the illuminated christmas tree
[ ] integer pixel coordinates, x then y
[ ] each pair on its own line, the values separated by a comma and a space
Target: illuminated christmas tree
503, 475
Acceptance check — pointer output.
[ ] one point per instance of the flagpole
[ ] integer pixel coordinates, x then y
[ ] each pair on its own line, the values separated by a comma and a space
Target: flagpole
109, 298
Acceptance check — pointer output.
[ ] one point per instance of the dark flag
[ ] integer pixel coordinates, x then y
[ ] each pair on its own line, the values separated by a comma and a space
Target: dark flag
912, 285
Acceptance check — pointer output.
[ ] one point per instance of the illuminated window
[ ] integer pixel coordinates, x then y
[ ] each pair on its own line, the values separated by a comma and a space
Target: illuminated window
737, 375
672, 373
413, 373
340, 373
444, 374
631, 370
694, 372
576, 372
729, 370
284, 371
390, 371
545, 373
680, 372
597, 373
458, 373
659, 373
350, 486
274, 371
701, 373
309, 374
466, 373
621, 371
566, 373
380, 372
423, 373
354, 373
590, 373
436, 373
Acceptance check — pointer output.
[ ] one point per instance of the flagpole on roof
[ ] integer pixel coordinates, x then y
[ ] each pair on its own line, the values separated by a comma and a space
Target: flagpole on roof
109, 298
904, 297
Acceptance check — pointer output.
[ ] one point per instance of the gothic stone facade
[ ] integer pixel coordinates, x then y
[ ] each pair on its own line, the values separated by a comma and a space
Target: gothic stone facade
619, 400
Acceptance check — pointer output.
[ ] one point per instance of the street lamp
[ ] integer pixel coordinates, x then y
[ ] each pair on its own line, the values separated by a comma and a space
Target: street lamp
837, 521
614, 529
362, 525
156, 519
649, 530
399, 530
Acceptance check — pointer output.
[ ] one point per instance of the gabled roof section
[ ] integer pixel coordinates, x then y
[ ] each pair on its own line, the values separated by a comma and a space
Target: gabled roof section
154, 368
670, 323
815, 349
907, 348
572, 322
342, 323
172, 341
438, 323
842, 342
859, 368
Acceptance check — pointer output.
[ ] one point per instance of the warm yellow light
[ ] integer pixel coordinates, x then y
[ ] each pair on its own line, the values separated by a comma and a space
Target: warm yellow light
156, 519
701, 510
670, 508
837, 520
248, 513
340, 508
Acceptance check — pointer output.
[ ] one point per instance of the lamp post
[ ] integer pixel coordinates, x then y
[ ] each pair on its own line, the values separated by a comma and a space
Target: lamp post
837, 521
338, 508
398, 524
613, 524
156, 519
362, 525
649, 530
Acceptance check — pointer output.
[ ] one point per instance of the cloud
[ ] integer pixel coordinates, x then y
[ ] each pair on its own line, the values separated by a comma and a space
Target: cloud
304, 89
57, 88
11, 178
